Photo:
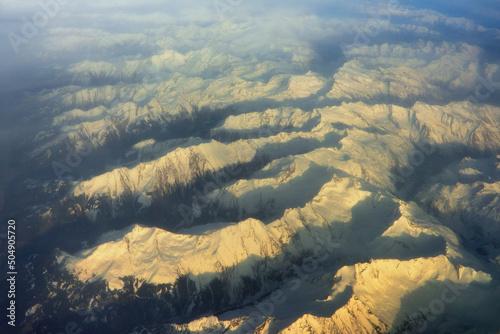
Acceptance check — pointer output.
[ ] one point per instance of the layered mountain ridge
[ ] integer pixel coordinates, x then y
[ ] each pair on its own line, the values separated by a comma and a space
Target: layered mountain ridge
221, 192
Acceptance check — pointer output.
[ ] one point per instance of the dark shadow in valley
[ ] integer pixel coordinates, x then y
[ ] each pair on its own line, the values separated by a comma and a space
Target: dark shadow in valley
441, 303
198, 124
175, 204
472, 221
266, 203
228, 294
231, 135
436, 158
172, 206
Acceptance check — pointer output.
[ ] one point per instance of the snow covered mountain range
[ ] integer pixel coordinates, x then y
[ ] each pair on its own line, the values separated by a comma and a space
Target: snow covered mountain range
208, 190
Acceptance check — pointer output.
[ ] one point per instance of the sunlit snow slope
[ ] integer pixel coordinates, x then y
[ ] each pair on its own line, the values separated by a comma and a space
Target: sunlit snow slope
235, 191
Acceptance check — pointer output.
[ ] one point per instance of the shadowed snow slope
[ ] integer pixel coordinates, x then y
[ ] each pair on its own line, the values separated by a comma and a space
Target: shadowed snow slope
256, 174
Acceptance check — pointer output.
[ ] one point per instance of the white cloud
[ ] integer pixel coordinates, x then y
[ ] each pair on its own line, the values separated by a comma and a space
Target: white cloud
260, 28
